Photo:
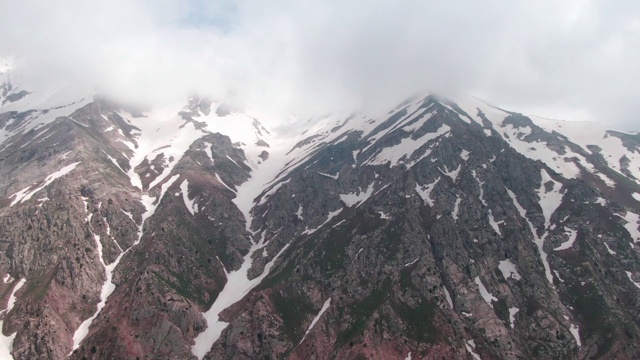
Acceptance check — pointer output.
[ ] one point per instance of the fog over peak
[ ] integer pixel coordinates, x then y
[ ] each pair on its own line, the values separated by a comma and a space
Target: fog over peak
563, 59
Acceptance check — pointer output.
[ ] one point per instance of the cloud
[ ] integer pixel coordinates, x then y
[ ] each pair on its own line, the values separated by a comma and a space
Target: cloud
558, 58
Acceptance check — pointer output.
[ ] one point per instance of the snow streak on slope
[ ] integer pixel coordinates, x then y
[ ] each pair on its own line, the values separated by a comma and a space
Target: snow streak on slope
632, 225
150, 204
238, 284
509, 270
576, 334
456, 208
6, 342
560, 160
330, 216
47, 108
486, 295
471, 345
492, 220
447, 296
26, 193
573, 234
512, 316
584, 134
539, 241
324, 308
164, 131
424, 192
630, 276
357, 198
403, 151
190, 204
550, 199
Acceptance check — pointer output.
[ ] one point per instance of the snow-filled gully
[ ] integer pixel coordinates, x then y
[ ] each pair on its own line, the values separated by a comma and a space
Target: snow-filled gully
150, 204
238, 284
6, 342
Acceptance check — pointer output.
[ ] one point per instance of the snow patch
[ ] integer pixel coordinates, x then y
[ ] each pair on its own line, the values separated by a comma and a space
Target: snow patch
357, 198
272, 191
223, 183
512, 316
150, 204
334, 177
237, 286
453, 174
447, 296
6, 342
465, 155
632, 225
576, 334
324, 308
425, 192
331, 215
190, 204
494, 224
629, 275
486, 295
549, 200
609, 249
413, 262
509, 270
26, 193
573, 234
539, 241
394, 154
471, 346
456, 208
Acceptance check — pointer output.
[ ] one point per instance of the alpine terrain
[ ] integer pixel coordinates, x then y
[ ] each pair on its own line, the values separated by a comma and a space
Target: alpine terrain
439, 229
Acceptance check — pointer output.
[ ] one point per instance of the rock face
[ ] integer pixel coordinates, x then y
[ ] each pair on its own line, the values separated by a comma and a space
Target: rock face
440, 229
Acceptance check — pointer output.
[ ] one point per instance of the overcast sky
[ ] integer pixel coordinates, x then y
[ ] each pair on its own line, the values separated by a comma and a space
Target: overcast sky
556, 58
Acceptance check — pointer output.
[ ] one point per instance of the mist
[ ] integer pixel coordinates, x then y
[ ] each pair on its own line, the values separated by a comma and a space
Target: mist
574, 60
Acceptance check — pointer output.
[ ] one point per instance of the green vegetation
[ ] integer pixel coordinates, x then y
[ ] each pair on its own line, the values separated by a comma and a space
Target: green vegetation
420, 320
276, 277
595, 315
361, 312
294, 309
502, 311
335, 250
38, 284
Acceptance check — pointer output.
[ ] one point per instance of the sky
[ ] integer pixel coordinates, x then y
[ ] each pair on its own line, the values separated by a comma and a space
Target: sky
569, 59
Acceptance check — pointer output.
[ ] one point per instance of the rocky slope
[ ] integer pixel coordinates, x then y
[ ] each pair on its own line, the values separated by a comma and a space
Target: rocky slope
436, 230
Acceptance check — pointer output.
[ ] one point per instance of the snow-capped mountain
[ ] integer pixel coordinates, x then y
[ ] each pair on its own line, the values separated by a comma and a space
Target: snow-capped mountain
437, 229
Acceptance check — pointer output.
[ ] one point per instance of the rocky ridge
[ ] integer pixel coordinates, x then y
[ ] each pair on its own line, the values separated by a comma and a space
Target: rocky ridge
440, 229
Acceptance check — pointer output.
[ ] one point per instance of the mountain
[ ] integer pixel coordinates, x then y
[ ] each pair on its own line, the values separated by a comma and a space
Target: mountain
438, 229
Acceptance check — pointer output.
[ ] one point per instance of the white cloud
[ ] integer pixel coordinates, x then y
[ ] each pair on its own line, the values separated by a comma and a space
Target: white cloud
314, 56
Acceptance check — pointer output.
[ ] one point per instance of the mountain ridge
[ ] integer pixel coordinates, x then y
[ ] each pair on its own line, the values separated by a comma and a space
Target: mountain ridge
437, 228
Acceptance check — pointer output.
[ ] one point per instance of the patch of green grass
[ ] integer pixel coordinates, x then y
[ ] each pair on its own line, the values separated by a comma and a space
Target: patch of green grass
334, 250
595, 315
294, 309
361, 312
276, 277
38, 284
419, 320
502, 311
532, 306
182, 286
